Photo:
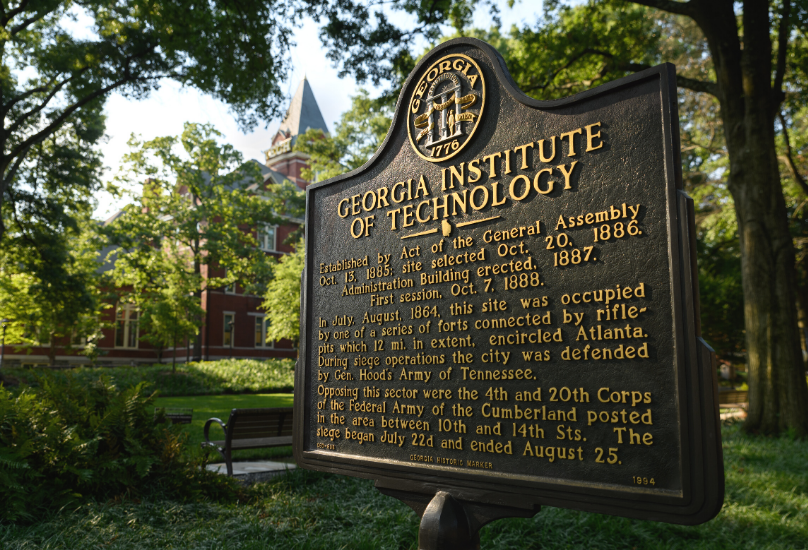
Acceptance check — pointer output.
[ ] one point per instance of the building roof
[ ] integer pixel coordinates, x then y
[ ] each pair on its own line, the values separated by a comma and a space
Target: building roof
269, 173
303, 113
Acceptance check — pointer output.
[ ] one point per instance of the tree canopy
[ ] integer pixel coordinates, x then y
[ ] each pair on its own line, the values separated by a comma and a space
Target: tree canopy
54, 81
282, 297
358, 134
57, 308
742, 66
193, 227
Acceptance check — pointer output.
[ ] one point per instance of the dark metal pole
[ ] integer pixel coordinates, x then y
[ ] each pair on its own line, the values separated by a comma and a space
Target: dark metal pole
446, 526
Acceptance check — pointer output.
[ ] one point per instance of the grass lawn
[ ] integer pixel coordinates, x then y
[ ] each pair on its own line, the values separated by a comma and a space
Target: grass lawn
766, 507
219, 406
226, 376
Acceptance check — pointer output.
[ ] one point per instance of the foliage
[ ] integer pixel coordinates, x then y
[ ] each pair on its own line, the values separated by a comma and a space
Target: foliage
53, 300
721, 294
282, 297
715, 48
365, 42
50, 200
358, 134
170, 313
191, 228
766, 507
204, 378
219, 406
55, 76
65, 442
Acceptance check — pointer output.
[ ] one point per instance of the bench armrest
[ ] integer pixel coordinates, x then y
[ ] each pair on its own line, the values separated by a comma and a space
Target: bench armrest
207, 427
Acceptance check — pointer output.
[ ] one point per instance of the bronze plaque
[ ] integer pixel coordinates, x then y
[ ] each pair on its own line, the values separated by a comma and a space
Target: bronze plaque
502, 302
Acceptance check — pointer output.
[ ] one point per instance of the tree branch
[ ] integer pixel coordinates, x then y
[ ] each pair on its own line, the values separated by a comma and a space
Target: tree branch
21, 149
555, 73
4, 183
670, 6
25, 95
26, 23
706, 87
689, 83
44, 103
782, 49
788, 158
15, 12
57, 122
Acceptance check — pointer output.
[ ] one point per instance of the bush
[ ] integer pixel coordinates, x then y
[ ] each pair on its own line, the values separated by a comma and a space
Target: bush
203, 378
66, 441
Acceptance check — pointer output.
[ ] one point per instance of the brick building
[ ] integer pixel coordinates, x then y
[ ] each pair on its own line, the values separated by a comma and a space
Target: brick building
233, 326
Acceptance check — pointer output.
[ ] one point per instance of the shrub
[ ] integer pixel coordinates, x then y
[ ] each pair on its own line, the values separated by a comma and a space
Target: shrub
65, 441
203, 378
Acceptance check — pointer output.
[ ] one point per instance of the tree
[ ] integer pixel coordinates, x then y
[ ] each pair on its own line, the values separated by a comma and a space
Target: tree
169, 310
744, 56
282, 297
55, 310
235, 51
357, 136
192, 227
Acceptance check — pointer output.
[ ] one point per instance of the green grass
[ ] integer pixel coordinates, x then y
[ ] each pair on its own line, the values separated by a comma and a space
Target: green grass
204, 378
766, 507
219, 406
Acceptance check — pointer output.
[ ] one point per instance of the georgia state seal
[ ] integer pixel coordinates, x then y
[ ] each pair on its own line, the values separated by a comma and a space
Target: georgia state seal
446, 107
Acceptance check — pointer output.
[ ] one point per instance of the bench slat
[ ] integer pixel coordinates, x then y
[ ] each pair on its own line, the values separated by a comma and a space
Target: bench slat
728, 397
254, 429
256, 443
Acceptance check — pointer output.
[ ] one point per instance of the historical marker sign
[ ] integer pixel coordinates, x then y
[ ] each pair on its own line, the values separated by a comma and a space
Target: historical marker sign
502, 304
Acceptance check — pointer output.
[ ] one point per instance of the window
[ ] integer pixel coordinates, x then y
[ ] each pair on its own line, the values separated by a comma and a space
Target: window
261, 324
231, 288
76, 338
229, 329
266, 237
38, 334
126, 326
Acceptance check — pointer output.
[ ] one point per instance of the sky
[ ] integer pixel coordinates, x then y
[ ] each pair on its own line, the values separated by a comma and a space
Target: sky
165, 111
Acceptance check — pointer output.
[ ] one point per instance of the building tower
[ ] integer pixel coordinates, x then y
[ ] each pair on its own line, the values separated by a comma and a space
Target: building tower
303, 113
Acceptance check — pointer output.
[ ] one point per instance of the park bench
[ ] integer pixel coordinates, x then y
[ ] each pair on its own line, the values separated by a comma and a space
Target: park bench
732, 399
176, 415
251, 429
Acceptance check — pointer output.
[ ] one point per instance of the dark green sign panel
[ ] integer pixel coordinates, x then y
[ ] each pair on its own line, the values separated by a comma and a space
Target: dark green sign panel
502, 302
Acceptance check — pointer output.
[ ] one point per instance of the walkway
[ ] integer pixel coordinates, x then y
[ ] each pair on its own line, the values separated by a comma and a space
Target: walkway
252, 472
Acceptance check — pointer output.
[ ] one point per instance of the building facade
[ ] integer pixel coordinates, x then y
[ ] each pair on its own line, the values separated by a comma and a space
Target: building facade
234, 325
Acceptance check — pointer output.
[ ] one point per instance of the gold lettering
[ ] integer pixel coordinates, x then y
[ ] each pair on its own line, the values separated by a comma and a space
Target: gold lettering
523, 150
492, 171
570, 141
590, 138
550, 183
541, 151
567, 174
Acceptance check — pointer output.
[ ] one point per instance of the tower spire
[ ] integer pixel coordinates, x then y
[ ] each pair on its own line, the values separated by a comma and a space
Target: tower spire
303, 113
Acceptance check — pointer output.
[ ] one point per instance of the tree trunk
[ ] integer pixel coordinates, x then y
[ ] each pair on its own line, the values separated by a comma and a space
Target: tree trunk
802, 304
51, 350
778, 394
802, 319
197, 342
